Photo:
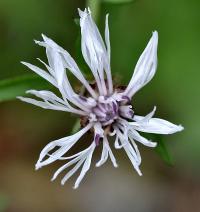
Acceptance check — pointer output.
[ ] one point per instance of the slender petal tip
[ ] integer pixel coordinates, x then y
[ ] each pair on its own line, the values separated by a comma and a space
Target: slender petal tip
37, 166
155, 38
62, 182
22, 62
153, 144
53, 178
180, 128
116, 165
138, 171
75, 187
97, 164
19, 97
155, 34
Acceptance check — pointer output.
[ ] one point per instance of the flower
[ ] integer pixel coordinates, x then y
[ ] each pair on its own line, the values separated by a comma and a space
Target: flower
104, 109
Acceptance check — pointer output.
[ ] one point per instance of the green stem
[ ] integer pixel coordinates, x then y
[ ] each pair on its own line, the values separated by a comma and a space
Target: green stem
94, 6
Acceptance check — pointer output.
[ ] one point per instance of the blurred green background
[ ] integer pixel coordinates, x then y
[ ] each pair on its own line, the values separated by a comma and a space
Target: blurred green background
25, 129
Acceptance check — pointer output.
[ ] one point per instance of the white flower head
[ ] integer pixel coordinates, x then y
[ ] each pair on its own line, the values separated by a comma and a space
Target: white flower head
104, 109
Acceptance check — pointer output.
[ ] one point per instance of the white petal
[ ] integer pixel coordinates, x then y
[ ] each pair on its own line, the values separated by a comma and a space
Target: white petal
98, 129
65, 166
41, 72
92, 42
50, 56
112, 157
131, 153
104, 156
67, 89
116, 143
51, 101
63, 148
107, 37
77, 157
133, 158
51, 71
148, 116
105, 153
108, 69
155, 125
72, 171
57, 65
44, 105
93, 49
84, 157
58, 72
64, 145
145, 67
139, 159
57, 69
68, 62
136, 136
46, 95
86, 166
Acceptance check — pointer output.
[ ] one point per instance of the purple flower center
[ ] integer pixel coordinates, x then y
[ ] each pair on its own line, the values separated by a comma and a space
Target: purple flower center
106, 113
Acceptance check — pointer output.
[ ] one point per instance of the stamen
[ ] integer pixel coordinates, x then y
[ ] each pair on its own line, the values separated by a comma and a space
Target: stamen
106, 113
127, 99
97, 139
115, 107
83, 98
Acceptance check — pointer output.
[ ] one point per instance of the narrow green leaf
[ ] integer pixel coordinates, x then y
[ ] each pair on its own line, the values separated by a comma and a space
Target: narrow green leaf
161, 149
117, 1
10, 88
